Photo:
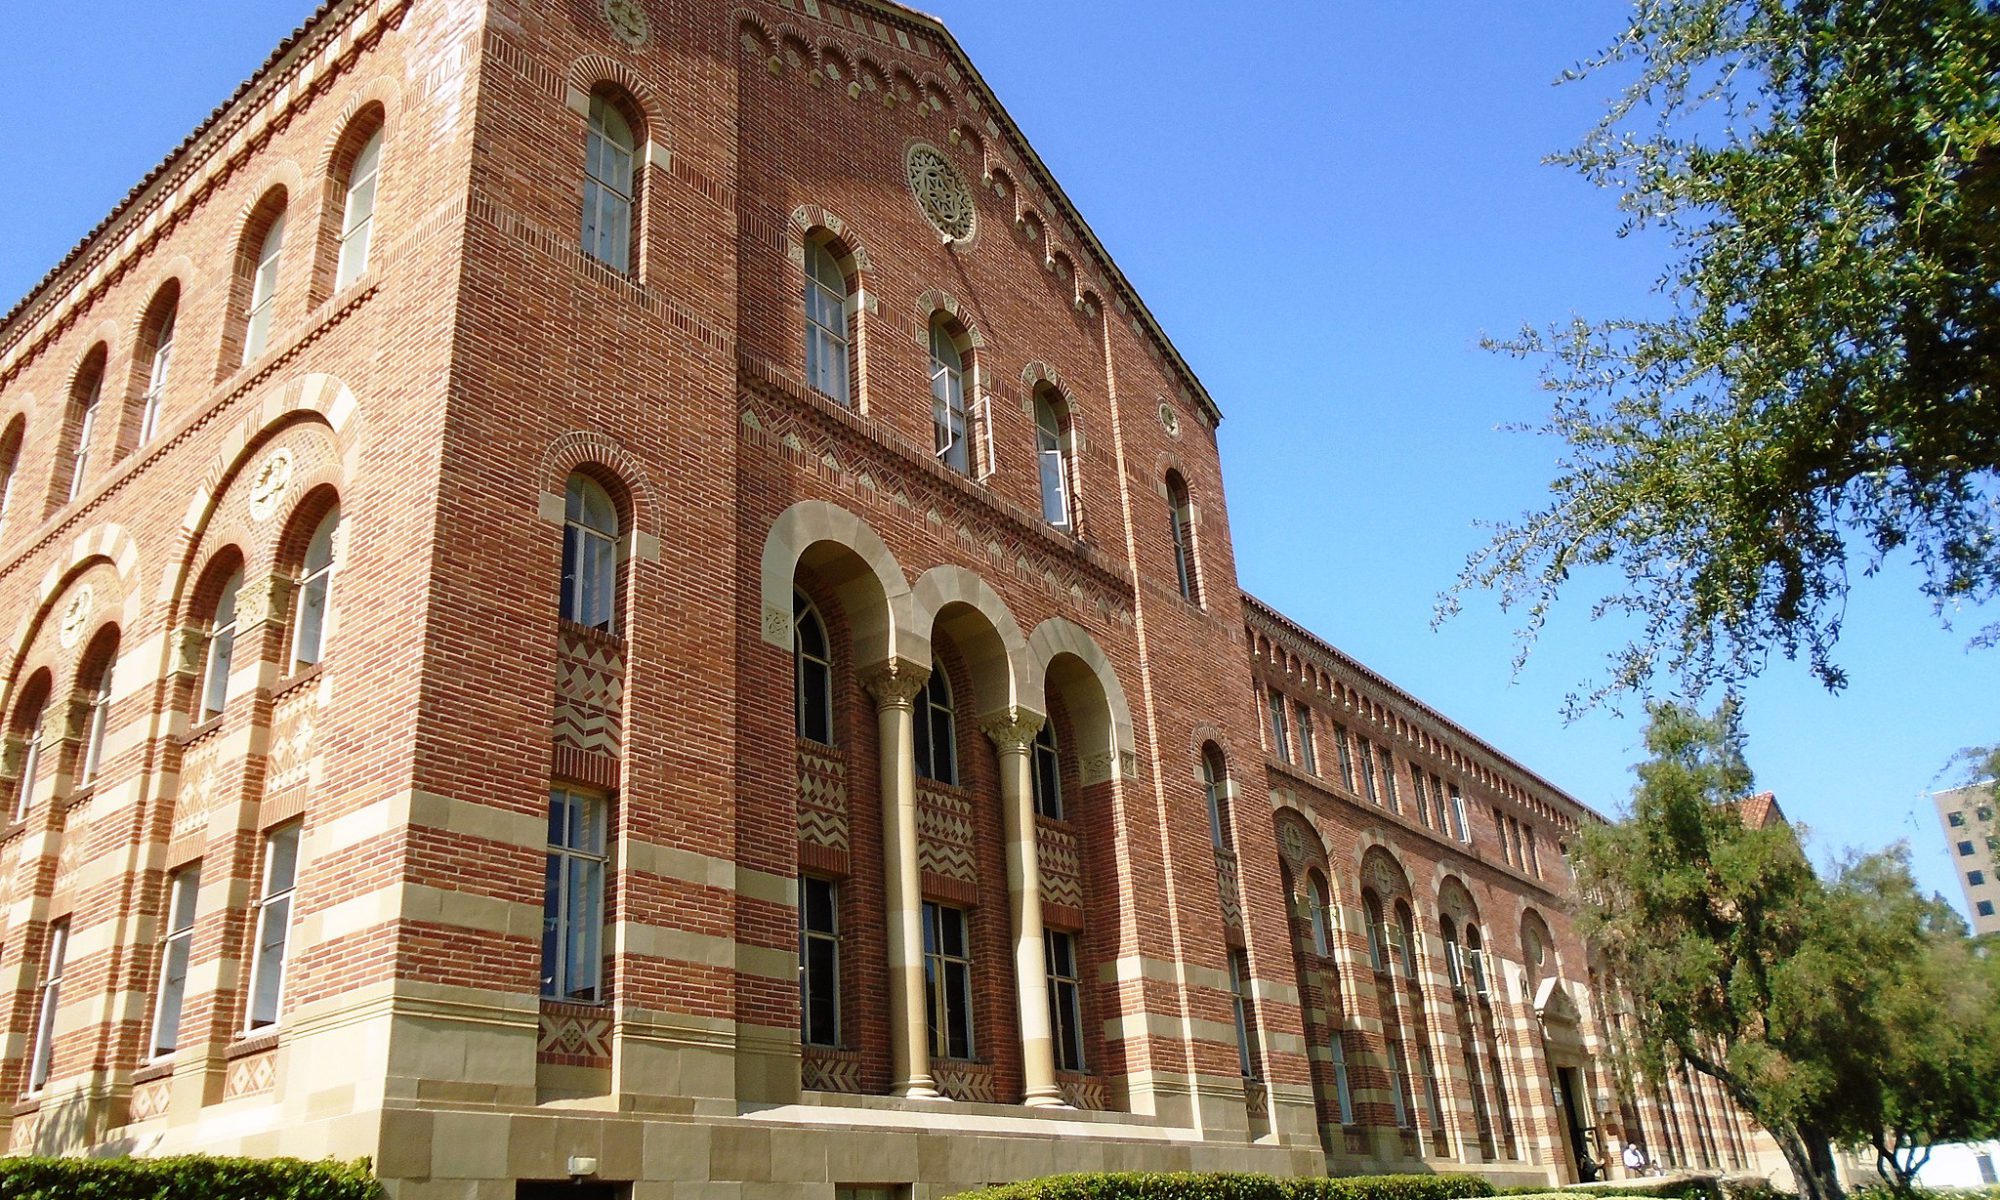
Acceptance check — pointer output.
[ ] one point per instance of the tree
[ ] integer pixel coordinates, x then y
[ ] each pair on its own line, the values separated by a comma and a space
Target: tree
1823, 388
1847, 1011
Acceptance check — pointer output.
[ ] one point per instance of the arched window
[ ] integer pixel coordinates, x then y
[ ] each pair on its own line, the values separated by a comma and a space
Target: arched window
1406, 926
948, 398
221, 645
1181, 527
357, 216
28, 724
98, 717
159, 340
264, 287
315, 582
1454, 953
1475, 959
812, 672
936, 730
10, 463
1052, 459
608, 189
1322, 943
1047, 773
590, 555
1371, 911
1214, 786
84, 396
826, 323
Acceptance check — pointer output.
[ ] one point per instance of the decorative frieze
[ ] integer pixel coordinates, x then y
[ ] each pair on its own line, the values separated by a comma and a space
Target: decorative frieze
822, 812
590, 692
944, 832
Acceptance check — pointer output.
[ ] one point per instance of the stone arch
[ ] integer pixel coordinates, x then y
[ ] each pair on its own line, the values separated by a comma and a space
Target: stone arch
1381, 870
381, 91
808, 217
854, 562
835, 64
589, 72
1004, 187
1038, 372
1075, 665
1004, 673
754, 35
101, 547
933, 90
585, 448
178, 270
285, 174
936, 301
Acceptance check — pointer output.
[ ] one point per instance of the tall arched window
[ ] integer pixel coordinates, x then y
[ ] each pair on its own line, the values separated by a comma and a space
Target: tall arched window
590, 554
314, 590
948, 398
826, 323
812, 673
1052, 460
28, 725
264, 287
1214, 785
936, 730
98, 716
357, 217
84, 399
1180, 513
10, 463
1371, 911
1322, 943
160, 338
221, 646
608, 190
1047, 774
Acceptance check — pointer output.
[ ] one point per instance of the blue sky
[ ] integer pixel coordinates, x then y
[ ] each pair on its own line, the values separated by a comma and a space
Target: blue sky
1327, 205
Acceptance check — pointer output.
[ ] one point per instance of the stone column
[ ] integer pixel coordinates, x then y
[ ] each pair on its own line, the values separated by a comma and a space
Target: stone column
1013, 732
895, 684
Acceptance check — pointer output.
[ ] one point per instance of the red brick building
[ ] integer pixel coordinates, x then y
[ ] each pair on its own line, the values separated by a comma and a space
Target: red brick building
505, 678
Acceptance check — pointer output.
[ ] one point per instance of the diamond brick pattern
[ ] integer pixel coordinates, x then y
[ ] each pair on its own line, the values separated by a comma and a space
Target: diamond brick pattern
251, 1075
822, 797
294, 725
590, 692
1061, 866
149, 1100
944, 833
574, 1038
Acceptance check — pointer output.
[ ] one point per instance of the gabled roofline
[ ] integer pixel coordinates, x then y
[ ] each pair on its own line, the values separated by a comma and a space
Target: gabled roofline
1345, 661
1049, 183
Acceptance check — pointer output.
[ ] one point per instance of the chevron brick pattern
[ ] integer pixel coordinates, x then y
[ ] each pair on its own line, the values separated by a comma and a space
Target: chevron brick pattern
830, 1071
251, 1075
149, 1100
965, 1081
944, 833
295, 721
822, 797
1061, 865
574, 1036
590, 692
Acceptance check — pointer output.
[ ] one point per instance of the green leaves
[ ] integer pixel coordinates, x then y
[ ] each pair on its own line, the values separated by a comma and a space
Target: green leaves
1824, 390
193, 1177
1224, 1186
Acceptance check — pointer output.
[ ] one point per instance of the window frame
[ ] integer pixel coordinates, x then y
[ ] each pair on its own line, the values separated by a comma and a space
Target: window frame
1249, 1047
934, 730
1180, 531
1280, 726
259, 313
812, 690
1215, 784
41, 1061
951, 422
591, 555
1319, 919
1045, 773
584, 815
159, 368
31, 762
610, 204
91, 760
1370, 785
1308, 751
948, 982
213, 696
1059, 951
1343, 1086
315, 580
1052, 463
815, 982
270, 946
85, 429
829, 350
365, 171
176, 944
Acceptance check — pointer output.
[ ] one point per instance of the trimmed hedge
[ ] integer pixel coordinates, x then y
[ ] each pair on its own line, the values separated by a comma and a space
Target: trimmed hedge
194, 1177
1218, 1186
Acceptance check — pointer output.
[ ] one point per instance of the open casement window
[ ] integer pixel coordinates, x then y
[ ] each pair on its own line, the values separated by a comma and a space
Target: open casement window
1464, 827
97, 717
1045, 774
819, 962
610, 150
1180, 513
1065, 999
590, 555
1052, 461
10, 466
314, 592
573, 897
936, 730
264, 289
812, 673
948, 414
48, 999
273, 926
1281, 738
1214, 786
1343, 1089
83, 419
31, 762
1247, 1050
1475, 962
357, 212
176, 950
828, 332
221, 648
947, 981
158, 367
1318, 916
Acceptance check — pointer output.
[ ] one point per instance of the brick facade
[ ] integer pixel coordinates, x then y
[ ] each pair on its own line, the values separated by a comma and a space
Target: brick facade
414, 428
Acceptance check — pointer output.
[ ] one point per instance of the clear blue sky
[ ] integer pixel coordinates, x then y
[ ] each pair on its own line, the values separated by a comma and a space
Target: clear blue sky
1327, 204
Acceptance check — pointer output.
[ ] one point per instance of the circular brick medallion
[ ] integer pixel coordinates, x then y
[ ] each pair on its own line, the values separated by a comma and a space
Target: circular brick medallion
940, 192
1169, 419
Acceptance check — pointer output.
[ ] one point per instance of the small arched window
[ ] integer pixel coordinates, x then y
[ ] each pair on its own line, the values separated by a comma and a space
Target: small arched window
1322, 942
264, 287
1180, 513
1047, 773
357, 217
98, 716
314, 591
1215, 790
1406, 928
948, 398
221, 646
10, 463
1371, 911
812, 672
1454, 953
84, 399
936, 730
1475, 958
1052, 459
27, 725
590, 555
827, 335
158, 364
608, 186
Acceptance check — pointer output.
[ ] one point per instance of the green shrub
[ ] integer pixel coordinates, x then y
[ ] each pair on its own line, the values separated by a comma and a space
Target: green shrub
194, 1177
1189, 1186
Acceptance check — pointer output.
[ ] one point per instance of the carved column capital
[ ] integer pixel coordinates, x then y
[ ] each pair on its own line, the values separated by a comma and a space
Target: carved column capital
261, 600
13, 753
190, 647
894, 683
1013, 727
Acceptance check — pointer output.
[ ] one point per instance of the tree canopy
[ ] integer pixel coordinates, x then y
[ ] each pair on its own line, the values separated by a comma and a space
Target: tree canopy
1850, 1010
1822, 390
